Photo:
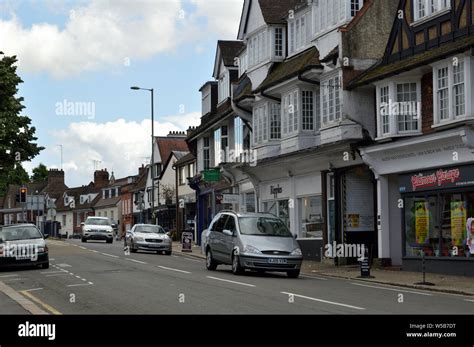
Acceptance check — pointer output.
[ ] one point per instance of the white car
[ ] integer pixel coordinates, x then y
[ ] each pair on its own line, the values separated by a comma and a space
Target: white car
204, 240
148, 237
97, 228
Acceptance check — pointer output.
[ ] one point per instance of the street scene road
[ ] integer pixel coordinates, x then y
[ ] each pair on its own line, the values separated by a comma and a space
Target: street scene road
99, 278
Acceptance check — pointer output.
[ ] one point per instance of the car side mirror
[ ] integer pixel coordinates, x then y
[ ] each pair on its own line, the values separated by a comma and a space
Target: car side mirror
82, 224
227, 232
295, 236
46, 236
168, 233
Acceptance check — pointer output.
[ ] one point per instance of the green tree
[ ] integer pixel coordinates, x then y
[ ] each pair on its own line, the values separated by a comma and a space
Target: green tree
17, 136
40, 173
18, 175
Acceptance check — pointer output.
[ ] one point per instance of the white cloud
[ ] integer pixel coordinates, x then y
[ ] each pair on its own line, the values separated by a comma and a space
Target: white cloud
223, 16
104, 34
184, 121
121, 146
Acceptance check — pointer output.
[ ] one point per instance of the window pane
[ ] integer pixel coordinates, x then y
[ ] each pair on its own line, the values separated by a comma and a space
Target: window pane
458, 89
310, 215
407, 107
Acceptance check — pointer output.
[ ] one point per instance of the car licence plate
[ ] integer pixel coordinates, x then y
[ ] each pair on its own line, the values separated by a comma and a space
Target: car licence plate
277, 261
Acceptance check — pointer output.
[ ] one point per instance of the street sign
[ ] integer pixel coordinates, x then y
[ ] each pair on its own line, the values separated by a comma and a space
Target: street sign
35, 202
212, 175
186, 241
230, 198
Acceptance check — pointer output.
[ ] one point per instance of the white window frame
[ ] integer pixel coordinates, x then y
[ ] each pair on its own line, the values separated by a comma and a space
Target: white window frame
393, 129
258, 47
331, 90
467, 62
427, 9
330, 14
274, 119
260, 124
223, 86
206, 148
298, 37
308, 99
278, 42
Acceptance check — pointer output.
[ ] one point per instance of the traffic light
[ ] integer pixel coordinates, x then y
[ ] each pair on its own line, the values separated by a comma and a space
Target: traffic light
23, 192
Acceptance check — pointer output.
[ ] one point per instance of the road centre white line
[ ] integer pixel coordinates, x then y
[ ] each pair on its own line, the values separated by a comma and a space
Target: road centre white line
171, 269
324, 301
469, 300
78, 285
392, 289
229, 281
33, 290
136, 261
314, 277
5, 276
109, 255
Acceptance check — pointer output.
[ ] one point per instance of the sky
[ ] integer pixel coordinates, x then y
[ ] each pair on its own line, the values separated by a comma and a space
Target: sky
78, 60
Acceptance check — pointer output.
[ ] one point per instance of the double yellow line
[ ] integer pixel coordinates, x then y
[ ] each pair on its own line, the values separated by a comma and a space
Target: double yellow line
38, 301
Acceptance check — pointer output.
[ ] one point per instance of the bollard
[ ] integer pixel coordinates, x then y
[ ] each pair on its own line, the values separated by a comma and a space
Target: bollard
423, 270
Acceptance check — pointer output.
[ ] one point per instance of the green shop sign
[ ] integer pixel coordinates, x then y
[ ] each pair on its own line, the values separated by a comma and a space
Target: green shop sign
212, 175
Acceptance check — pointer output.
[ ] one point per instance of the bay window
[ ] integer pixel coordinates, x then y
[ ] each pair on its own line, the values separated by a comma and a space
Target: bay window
266, 123
452, 83
426, 8
331, 100
399, 108
259, 50
275, 121
298, 34
278, 43
224, 87
328, 14
301, 112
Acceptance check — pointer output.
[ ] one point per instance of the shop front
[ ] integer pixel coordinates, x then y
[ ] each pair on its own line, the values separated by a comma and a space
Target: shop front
437, 206
297, 200
425, 187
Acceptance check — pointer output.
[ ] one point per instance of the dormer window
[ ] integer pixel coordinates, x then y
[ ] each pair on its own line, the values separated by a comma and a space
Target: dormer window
426, 8
279, 42
298, 34
223, 86
258, 48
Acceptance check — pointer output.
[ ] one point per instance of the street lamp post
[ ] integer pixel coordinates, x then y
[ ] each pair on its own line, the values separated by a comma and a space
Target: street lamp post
152, 161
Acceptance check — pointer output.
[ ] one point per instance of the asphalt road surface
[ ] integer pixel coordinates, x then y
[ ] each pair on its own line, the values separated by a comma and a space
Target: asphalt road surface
98, 278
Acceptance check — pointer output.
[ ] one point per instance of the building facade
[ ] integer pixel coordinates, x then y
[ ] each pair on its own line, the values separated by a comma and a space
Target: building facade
423, 152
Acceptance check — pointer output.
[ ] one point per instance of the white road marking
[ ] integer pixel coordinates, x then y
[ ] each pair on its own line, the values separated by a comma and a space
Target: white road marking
90, 283
32, 290
52, 259
324, 301
469, 300
64, 265
174, 256
199, 261
61, 274
314, 277
83, 279
15, 279
78, 277
93, 250
392, 289
234, 282
109, 255
136, 261
171, 269
71, 273
82, 247
80, 284
5, 276
51, 272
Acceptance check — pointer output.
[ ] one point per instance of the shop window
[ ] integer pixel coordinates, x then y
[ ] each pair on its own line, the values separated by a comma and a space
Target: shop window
310, 215
436, 225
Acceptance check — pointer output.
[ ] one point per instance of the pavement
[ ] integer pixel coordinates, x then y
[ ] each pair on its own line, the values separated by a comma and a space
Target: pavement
99, 278
442, 283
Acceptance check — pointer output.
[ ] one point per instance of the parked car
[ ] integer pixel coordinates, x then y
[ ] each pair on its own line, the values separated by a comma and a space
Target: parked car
148, 237
255, 241
23, 244
97, 228
204, 238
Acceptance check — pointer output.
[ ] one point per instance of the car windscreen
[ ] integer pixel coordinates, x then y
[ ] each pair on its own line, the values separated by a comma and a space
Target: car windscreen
263, 226
97, 221
20, 233
149, 229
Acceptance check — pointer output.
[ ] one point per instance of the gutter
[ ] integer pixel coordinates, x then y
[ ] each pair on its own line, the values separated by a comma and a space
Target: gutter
307, 80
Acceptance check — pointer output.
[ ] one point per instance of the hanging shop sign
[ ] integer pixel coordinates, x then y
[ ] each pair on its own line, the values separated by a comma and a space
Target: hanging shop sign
211, 175
452, 177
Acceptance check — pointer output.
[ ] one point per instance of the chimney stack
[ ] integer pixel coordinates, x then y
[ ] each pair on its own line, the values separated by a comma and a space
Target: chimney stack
101, 178
55, 177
